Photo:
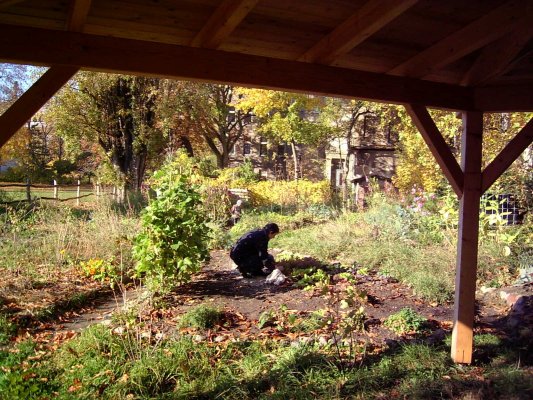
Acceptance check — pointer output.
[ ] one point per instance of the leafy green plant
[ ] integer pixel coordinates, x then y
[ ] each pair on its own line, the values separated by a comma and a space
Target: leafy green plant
174, 238
282, 319
101, 270
202, 317
405, 321
312, 279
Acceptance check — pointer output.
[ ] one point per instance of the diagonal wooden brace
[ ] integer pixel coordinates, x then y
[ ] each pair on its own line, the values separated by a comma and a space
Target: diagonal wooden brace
32, 100
438, 146
506, 157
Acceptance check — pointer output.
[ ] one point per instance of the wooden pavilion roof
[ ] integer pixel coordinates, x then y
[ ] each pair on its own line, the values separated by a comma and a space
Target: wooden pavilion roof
456, 54
475, 56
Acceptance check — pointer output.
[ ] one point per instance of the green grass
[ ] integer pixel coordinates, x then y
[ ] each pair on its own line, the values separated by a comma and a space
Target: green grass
40, 241
429, 270
15, 194
102, 364
7, 330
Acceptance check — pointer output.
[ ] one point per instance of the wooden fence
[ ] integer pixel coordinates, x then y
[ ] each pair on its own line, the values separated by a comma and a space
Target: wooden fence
56, 192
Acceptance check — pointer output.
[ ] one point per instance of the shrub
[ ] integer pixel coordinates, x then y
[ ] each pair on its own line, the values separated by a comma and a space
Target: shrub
101, 270
405, 321
301, 193
174, 237
202, 317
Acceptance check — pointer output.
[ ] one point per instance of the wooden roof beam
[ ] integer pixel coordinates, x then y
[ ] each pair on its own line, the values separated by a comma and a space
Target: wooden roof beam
223, 22
370, 18
32, 100
79, 10
472, 37
111, 54
497, 56
506, 98
438, 146
507, 156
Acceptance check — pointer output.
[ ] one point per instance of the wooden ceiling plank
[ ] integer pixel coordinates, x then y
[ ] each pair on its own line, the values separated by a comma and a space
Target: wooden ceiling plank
33, 99
78, 13
110, 54
497, 56
437, 145
370, 18
463, 42
7, 3
223, 22
507, 156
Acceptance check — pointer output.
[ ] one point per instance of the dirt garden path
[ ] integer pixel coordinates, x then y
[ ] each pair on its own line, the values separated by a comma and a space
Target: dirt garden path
221, 286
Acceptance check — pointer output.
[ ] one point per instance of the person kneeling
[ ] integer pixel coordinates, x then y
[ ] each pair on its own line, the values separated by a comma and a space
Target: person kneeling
250, 252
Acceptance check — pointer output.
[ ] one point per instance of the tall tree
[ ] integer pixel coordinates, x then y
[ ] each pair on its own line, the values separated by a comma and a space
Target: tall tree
287, 118
207, 113
116, 111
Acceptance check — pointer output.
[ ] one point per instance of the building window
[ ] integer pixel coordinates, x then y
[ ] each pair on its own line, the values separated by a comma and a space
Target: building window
248, 118
369, 125
389, 133
247, 149
263, 146
231, 114
232, 151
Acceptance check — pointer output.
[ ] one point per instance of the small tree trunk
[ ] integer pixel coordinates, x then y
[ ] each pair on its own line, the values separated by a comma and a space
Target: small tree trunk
295, 161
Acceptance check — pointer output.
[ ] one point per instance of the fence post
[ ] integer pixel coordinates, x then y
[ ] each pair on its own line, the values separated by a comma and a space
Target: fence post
55, 189
97, 191
78, 194
114, 193
28, 190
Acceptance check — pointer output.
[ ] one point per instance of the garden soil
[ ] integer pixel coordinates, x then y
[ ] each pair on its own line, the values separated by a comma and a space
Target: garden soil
243, 300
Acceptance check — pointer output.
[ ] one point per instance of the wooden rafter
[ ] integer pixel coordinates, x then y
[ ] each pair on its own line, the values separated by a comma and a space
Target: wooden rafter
437, 145
507, 156
504, 98
466, 40
224, 20
52, 47
497, 56
370, 18
78, 15
32, 100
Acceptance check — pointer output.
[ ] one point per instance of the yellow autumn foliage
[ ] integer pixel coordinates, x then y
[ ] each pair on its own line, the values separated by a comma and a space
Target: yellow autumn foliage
300, 193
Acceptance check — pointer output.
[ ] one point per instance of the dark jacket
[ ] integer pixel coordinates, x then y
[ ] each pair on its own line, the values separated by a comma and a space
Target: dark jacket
251, 244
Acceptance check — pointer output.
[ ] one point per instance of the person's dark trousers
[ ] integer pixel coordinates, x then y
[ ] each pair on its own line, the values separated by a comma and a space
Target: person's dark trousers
252, 266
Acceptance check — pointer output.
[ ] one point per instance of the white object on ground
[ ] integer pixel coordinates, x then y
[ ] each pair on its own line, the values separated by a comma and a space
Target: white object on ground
276, 277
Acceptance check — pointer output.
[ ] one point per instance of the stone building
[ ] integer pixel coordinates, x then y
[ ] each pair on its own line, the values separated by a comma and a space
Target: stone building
276, 161
371, 153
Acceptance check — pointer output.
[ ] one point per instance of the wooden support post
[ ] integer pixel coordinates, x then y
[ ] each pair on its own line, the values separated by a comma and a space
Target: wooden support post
55, 189
78, 194
467, 245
